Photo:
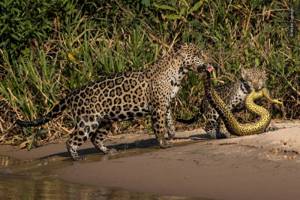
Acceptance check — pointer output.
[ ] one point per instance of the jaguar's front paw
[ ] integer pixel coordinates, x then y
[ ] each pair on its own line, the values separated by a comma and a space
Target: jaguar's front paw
164, 144
171, 136
222, 135
77, 157
112, 151
217, 135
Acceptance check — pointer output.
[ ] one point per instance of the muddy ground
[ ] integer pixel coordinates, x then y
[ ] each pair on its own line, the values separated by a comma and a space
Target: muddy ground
265, 166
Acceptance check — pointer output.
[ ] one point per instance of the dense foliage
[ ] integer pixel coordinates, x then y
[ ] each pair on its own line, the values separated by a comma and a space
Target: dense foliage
48, 47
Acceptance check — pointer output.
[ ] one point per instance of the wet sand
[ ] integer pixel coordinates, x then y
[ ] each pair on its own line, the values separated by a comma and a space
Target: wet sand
265, 166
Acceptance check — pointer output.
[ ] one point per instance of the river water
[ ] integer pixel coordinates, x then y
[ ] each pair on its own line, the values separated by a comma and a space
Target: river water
30, 180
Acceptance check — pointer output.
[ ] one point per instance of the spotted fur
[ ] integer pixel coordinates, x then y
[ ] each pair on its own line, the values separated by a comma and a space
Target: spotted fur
234, 95
125, 96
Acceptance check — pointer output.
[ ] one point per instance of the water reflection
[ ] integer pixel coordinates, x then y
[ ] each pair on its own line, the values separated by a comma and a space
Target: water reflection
19, 187
30, 180
6, 161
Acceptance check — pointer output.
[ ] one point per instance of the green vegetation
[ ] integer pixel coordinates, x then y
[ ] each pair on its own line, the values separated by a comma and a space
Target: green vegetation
48, 47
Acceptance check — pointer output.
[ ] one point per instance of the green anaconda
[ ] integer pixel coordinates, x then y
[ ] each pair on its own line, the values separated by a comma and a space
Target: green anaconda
232, 125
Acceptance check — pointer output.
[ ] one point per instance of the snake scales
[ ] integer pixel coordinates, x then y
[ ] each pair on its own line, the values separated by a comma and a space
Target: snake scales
231, 123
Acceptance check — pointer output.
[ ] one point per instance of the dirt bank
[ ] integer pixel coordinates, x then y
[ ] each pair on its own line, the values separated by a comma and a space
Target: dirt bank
265, 166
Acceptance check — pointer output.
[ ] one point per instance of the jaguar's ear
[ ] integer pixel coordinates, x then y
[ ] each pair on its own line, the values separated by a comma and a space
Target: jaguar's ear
243, 73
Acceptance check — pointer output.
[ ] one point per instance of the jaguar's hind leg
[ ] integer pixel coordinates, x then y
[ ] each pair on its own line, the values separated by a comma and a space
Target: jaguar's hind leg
81, 133
77, 138
212, 126
99, 136
221, 131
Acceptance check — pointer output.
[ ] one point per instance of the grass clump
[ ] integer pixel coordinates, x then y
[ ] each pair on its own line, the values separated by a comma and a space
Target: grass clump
50, 47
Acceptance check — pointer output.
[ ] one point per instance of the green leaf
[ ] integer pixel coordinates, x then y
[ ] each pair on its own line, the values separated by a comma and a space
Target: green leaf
164, 7
197, 6
173, 16
256, 62
146, 3
183, 11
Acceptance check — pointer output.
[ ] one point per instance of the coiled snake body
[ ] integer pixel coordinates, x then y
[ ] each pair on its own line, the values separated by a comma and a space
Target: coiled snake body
232, 125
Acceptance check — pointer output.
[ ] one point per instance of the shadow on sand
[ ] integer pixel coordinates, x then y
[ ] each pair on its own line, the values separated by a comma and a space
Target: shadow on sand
144, 144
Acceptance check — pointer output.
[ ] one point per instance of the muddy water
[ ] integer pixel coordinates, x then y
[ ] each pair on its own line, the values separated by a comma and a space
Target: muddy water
28, 187
33, 180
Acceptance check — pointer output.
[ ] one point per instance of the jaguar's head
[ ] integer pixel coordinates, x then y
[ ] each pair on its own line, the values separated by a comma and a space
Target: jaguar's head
191, 56
255, 78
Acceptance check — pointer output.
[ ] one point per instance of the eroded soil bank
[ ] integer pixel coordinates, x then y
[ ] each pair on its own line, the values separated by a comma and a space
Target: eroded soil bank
265, 166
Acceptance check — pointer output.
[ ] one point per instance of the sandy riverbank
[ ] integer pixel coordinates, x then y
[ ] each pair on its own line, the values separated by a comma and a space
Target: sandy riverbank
265, 166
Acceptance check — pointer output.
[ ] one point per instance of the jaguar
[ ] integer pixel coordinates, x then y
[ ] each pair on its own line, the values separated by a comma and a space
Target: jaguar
232, 125
125, 96
234, 95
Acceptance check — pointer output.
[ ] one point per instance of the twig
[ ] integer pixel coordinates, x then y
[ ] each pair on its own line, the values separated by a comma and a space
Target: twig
292, 17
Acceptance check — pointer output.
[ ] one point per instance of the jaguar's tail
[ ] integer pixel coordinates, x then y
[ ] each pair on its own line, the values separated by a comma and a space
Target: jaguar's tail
56, 111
